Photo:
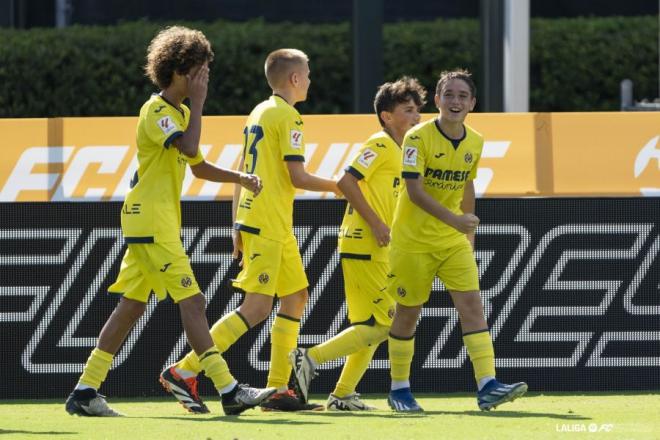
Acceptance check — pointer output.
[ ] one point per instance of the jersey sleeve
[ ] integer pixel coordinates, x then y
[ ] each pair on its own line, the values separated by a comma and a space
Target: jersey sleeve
365, 163
414, 156
290, 133
162, 127
199, 158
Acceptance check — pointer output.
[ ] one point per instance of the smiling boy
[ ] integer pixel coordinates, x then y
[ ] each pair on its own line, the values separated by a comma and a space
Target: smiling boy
433, 235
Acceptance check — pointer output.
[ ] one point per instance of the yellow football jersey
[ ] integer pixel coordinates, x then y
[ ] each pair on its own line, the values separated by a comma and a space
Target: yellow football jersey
378, 167
152, 208
445, 165
273, 136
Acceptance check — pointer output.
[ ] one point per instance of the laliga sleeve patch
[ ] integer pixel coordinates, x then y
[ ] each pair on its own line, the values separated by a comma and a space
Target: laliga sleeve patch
367, 157
296, 139
166, 124
410, 156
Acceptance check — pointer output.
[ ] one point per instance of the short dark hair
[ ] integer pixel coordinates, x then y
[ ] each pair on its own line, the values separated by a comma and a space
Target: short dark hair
461, 74
402, 90
176, 49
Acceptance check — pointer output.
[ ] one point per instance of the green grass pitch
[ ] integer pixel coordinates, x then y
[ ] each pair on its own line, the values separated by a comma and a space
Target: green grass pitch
451, 416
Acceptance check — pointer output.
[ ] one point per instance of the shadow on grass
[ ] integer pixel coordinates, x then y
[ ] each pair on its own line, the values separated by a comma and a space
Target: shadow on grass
241, 420
528, 395
496, 414
374, 396
21, 431
512, 414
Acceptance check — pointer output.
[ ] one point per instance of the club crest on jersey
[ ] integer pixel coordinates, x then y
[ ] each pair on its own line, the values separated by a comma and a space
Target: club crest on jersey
186, 282
166, 124
264, 278
410, 156
296, 139
401, 291
468, 157
367, 157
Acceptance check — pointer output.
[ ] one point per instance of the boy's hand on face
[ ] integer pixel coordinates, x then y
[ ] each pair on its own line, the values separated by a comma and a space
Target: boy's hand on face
251, 182
198, 83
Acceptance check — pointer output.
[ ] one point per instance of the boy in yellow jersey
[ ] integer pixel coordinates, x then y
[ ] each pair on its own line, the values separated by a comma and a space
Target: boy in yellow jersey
433, 235
274, 149
167, 141
371, 186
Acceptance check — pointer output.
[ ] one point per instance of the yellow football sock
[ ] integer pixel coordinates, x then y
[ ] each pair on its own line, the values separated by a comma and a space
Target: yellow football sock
96, 369
351, 340
354, 368
224, 333
401, 355
228, 329
190, 362
480, 348
215, 368
283, 339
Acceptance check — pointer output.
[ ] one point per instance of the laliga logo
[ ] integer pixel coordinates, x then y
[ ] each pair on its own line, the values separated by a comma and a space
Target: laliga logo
644, 157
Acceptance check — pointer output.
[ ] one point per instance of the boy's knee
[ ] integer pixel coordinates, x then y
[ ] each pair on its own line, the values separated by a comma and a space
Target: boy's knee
470, 310
255, 312
407, 314
132, 309
261, 314
302, 296
293, 305
403, 327
195, 304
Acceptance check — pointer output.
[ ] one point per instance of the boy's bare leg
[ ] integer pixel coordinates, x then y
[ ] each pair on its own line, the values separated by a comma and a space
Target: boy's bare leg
119, 324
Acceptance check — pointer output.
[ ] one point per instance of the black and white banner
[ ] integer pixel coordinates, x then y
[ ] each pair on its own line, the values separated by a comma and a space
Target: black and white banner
571, 289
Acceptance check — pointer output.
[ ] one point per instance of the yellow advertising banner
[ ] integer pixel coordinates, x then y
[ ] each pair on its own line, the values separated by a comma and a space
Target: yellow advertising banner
605, 154
525, 154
